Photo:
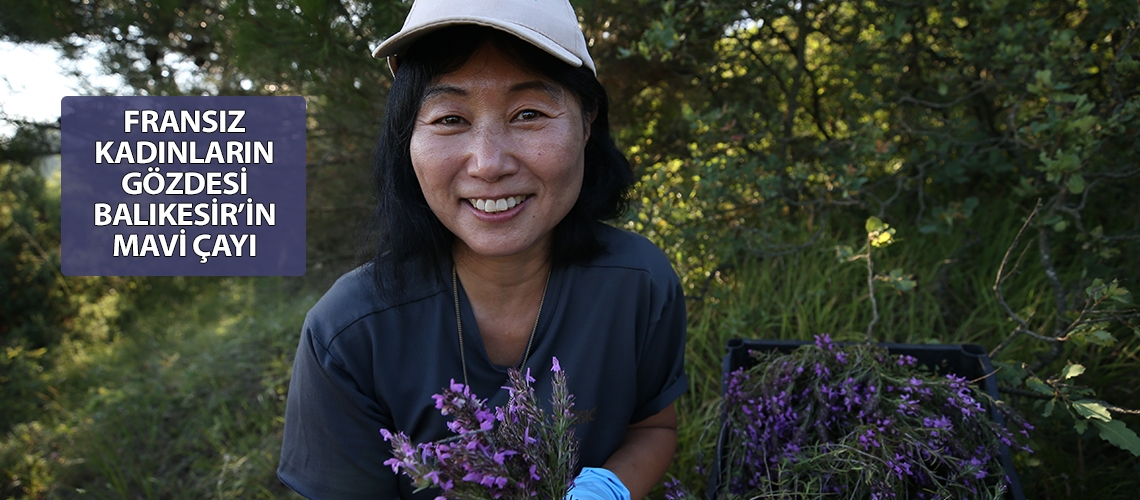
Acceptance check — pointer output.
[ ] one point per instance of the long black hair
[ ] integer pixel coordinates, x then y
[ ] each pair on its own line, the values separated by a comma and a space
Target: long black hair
411, 242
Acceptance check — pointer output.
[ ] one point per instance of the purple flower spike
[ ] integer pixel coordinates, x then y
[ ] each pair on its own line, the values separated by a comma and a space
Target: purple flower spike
486, 419
457, 387
502, 455
395, 464
819, 410
516, 451
556, 368
823, 341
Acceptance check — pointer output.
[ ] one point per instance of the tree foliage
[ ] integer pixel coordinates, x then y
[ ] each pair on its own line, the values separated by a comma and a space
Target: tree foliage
782, 120
788, 111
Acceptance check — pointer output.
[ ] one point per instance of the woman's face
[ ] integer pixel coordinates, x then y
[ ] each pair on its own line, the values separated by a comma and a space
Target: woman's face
499, 153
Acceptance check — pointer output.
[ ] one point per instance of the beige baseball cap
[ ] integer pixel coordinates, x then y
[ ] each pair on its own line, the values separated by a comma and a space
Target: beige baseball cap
551, 25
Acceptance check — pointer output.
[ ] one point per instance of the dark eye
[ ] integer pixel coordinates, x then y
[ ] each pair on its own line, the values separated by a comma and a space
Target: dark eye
450, 120
528, 114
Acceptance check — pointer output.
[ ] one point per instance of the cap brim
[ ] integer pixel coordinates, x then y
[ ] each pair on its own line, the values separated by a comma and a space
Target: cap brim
396, 45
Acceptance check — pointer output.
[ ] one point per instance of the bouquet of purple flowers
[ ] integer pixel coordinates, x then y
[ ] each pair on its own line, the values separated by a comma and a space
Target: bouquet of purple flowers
830, 421
513, 452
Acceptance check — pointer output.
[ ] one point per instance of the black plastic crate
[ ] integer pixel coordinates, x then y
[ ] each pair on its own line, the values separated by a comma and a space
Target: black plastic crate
969, 361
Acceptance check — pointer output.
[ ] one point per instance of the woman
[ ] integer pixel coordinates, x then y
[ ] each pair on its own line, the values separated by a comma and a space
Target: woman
494, 168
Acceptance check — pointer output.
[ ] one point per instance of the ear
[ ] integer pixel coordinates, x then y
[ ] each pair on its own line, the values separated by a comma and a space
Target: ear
588, 123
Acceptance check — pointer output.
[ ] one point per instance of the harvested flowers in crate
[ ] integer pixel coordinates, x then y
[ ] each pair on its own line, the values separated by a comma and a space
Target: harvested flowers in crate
852, 421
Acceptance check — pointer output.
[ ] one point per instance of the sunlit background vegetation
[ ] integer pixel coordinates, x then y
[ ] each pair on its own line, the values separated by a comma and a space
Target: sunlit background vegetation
763, 133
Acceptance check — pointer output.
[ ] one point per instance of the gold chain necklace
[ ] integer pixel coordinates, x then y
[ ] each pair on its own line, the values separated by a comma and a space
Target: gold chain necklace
459, 321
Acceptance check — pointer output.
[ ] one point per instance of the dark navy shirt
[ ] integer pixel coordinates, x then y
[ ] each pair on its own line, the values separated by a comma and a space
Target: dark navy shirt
616, 325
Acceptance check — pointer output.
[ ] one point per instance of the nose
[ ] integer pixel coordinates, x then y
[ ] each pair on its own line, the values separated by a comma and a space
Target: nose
491, 155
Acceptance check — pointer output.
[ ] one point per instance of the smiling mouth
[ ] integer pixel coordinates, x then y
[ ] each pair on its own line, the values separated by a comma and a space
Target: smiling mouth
499, 205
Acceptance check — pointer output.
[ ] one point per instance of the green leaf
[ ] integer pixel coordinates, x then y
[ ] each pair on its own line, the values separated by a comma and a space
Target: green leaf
928, 228
1071, 371
1025, 187
901, 282
1080, 392
1122, 296
1048, 408
1127, 64
1092, 410
875, 224
1036, 384
1081, 426
1120, 435
1076, 184
1043, 80
1083, 124
1011, 373
905, 285
1094, 334
1096, 289
844, 253
1055, 167
1101, 338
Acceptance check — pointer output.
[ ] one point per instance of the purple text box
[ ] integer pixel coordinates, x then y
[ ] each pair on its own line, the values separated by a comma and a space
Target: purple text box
183, 186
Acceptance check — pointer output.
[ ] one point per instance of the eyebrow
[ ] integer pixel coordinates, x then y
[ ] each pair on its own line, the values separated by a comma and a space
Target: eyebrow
542, 85
548, 88
437, 90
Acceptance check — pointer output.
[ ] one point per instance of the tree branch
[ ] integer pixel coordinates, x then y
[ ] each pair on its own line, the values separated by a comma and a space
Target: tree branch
1118, 409
871, 289
1001, 275
1024, 393
939, 105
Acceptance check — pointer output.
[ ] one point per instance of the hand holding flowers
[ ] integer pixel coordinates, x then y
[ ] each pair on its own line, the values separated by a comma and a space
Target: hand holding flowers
513, 452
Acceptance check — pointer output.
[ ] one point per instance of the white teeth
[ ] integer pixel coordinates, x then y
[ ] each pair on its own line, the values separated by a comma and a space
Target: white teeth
492, 206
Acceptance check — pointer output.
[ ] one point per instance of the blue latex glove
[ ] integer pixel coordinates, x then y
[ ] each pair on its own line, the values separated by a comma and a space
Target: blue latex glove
595, 483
